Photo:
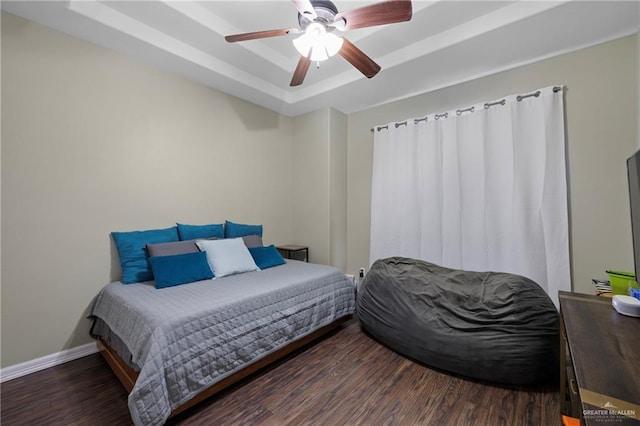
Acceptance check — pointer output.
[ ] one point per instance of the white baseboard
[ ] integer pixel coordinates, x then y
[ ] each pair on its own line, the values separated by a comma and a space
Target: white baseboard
38, 364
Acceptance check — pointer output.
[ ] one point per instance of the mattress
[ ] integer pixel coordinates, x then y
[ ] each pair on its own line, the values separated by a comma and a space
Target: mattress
100, 329
186, 338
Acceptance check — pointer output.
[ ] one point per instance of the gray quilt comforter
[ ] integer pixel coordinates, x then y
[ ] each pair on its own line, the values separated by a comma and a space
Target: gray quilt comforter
186, 338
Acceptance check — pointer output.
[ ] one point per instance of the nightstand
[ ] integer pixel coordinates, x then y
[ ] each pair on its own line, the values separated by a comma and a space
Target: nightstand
294, 252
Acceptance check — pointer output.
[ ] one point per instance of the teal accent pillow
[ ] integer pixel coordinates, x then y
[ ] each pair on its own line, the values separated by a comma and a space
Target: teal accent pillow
235, 230
133, 255
192, 232
179, 269
266, 257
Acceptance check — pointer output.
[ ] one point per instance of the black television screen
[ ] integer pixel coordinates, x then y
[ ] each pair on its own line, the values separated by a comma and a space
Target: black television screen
633, 167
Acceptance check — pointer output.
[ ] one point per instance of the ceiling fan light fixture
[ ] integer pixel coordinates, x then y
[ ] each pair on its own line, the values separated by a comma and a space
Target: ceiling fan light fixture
318, 18
332, 43
316, 39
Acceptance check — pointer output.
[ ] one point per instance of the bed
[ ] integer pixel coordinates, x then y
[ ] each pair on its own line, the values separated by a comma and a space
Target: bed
175, 346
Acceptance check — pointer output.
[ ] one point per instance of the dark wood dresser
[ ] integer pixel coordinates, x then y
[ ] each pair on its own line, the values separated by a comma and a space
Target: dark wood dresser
600, 361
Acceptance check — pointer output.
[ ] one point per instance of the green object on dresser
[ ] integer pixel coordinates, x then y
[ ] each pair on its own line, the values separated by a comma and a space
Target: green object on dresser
621, 281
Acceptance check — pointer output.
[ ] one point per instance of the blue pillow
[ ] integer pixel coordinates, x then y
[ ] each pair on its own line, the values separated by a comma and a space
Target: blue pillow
266, 257
180, 269
133, 256
235, 230
192, 232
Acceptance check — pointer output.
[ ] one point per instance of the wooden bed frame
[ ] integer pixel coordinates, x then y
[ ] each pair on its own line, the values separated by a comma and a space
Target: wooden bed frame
128, 375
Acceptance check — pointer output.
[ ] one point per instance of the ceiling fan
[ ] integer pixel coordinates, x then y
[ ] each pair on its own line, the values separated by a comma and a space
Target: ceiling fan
319, 18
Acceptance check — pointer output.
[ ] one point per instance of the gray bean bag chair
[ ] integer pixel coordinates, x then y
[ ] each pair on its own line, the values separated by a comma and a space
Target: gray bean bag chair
485, 325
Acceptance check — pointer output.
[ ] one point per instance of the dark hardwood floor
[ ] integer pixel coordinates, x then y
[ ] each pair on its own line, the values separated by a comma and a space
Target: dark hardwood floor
347, 378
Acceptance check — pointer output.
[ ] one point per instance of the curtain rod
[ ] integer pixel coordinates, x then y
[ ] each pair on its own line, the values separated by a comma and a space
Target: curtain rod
487, 105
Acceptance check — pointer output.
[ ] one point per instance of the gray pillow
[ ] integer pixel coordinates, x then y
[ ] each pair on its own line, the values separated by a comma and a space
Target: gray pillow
252, 241
170, 249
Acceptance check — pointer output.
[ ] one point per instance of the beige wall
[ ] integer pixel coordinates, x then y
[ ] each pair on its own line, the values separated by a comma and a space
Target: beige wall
320, 191
311, 184
602, 111
0, 196
338, 189
94, 142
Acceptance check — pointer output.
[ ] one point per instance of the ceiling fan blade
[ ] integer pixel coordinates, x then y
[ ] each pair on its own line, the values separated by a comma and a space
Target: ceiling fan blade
257, 34
358, 59
301, 71
386, 12
305, 8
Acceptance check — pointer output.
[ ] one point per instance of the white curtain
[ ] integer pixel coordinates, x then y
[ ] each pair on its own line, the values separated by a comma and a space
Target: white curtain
482, 189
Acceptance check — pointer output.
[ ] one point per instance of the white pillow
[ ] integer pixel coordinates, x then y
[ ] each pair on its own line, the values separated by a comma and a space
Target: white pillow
227, 256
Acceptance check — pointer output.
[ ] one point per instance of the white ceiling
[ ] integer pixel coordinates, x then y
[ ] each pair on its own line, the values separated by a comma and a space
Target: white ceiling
446, 42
